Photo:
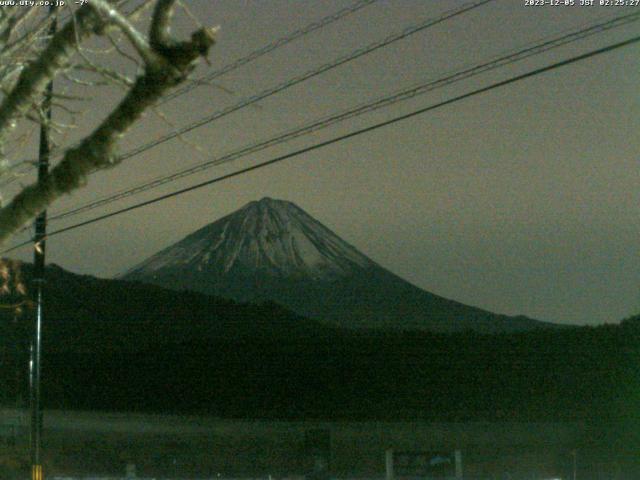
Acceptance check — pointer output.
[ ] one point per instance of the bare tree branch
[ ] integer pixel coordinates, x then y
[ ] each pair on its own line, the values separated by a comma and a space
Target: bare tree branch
138, 40
167, 63
160, 34
35, 76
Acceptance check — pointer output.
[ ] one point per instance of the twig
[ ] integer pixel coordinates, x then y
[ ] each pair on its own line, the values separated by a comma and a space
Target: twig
169, 64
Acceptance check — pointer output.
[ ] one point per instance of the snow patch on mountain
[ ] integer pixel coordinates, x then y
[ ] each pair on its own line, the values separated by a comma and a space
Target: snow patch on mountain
268, 236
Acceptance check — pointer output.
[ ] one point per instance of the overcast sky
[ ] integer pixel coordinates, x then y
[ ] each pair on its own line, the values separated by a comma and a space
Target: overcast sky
522, 200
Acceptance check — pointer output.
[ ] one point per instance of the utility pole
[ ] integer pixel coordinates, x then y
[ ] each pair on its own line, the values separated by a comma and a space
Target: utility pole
38, 281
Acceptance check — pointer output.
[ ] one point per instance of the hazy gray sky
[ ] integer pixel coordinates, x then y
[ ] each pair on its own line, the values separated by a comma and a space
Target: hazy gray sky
523, 200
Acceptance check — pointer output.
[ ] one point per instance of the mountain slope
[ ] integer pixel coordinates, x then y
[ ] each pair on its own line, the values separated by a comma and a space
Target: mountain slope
269, 237
273, 250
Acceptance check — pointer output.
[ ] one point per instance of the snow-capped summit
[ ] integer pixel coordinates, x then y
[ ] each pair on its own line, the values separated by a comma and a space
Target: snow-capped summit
272, 250
271, 237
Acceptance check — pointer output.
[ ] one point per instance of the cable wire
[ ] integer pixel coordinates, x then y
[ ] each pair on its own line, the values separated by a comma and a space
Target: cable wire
280, 42
306, 76
325, 122
341, 138
407, 32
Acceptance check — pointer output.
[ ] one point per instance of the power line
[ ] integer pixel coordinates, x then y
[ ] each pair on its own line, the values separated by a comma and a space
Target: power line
402, 95
360, 52
278, 43
340, 138
306, 76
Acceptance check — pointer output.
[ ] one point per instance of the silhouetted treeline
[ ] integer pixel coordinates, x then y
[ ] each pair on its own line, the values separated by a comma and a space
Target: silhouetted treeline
113, 345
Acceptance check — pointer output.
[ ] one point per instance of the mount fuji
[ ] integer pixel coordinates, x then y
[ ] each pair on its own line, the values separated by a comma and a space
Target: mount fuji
272, 250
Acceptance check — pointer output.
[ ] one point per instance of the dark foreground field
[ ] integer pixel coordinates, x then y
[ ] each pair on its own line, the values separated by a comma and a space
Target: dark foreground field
83, 443
180, 353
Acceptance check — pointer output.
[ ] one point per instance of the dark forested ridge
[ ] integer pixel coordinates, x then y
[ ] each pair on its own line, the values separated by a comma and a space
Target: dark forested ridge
113, 345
